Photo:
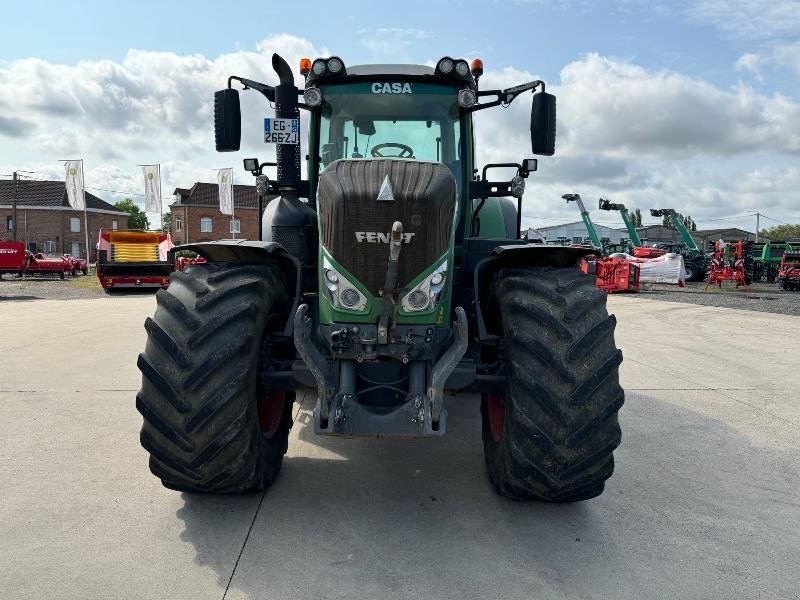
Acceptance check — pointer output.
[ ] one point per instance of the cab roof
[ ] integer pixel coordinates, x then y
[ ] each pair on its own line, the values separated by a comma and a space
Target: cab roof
369, 70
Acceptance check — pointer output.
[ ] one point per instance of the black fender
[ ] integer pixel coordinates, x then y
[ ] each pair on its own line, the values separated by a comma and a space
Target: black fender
513, 255
251, 251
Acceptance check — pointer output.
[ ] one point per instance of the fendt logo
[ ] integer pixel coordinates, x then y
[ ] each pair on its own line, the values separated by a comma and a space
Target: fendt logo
391, 88
9, 251
373, 237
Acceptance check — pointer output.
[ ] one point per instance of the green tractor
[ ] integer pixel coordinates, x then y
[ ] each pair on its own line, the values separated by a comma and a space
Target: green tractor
391, 275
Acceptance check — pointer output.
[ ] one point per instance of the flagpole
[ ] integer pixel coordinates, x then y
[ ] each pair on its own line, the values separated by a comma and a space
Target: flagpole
160, 201
85, 218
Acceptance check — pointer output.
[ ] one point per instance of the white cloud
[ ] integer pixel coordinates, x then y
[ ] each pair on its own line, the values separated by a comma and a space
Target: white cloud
748, 19
640, 136
752, 63
151, 102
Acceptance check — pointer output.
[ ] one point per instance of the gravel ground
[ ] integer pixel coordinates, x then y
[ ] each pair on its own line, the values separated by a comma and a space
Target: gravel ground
53, 288
762, 297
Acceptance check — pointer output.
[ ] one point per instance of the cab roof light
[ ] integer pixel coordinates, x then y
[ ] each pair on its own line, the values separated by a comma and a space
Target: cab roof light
326, 67
476, 66
305, 66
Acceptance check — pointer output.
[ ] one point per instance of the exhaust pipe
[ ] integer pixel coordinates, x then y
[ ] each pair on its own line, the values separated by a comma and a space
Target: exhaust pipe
287, 156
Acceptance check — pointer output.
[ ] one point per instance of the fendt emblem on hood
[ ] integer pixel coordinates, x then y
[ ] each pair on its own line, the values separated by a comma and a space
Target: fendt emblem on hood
386, 194
373, 237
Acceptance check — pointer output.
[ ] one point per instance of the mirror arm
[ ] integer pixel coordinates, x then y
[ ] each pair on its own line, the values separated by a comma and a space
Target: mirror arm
506, 96
265, 89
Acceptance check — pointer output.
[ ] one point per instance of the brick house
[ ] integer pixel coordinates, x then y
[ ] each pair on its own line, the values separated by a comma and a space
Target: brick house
46, 221
195, 215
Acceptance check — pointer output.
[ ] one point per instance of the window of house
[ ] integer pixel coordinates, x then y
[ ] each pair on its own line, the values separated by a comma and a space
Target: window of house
178, 225
236, 226
49, 247
205, 224
10, 223
577, 240
113, 225
74, 224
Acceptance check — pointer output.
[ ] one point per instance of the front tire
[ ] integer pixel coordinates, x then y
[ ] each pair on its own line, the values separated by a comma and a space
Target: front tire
210, 423
550, 435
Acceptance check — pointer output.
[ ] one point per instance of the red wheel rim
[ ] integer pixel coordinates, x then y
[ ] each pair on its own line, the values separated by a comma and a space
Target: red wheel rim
270, 412
496, 408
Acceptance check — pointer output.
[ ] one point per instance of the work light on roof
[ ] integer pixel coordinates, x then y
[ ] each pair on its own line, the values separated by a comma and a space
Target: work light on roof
462, 68
445, 66
335, 65
318, 68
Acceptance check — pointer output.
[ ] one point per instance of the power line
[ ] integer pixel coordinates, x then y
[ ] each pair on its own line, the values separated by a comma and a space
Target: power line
776, 220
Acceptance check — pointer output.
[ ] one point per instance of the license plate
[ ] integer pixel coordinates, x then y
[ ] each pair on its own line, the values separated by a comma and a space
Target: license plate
282, 131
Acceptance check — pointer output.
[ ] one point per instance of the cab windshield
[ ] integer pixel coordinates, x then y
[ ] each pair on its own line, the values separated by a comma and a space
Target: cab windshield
391, 120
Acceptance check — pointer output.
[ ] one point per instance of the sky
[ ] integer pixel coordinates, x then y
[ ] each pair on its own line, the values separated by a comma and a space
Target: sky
687, 104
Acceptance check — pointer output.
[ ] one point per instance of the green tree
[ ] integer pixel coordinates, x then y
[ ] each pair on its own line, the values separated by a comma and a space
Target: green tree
781, 233
137, 219
636, 218
689, 223
166, 222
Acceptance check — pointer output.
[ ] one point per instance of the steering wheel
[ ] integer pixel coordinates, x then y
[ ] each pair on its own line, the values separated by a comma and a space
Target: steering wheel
405, 151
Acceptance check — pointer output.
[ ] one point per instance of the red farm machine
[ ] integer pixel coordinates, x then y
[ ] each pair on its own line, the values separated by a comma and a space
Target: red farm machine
133, 259
789, 271
15, 259
612, 274
724, 268
12, 258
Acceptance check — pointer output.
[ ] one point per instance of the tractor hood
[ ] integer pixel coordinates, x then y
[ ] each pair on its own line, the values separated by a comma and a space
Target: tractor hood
360, 199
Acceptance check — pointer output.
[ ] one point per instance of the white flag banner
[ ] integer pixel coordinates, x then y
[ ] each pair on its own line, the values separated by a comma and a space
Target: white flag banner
152, 188
225, 182
74, 182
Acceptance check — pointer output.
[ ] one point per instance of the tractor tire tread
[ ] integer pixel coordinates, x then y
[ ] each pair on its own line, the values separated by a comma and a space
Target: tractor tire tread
199, 379
562, 394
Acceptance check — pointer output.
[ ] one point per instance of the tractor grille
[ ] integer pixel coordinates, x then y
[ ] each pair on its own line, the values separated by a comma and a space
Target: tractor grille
354, 224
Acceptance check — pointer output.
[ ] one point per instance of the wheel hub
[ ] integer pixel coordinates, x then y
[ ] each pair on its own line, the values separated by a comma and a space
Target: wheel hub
496, 409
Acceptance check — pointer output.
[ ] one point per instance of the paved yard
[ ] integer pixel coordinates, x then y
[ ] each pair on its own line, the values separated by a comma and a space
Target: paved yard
705, 502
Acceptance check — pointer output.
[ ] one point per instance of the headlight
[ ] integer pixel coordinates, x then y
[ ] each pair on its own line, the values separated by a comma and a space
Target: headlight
425, 295
517, 186
262, 185
342, 294
462, 68
467, 98
312, 97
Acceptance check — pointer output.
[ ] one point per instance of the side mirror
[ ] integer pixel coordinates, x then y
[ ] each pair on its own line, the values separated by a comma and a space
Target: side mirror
543, 124
227, 120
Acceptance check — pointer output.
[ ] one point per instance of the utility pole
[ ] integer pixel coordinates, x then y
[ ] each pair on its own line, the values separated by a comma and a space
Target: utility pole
757, 225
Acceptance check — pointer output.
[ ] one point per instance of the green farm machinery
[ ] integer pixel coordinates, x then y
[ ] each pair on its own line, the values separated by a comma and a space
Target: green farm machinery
767, 256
